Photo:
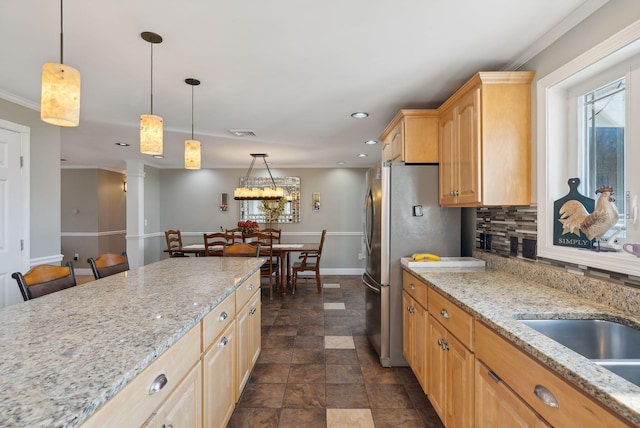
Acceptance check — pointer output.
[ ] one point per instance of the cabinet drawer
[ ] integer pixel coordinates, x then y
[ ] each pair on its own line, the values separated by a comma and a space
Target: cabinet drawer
451, 317
247, 289
217, 320
133, 405
523, 374
415, 288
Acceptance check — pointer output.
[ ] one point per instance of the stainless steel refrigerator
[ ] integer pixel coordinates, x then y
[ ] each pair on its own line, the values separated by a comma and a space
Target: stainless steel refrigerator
401, 216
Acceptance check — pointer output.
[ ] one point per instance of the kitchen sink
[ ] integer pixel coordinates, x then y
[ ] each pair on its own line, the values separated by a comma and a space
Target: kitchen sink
612, 345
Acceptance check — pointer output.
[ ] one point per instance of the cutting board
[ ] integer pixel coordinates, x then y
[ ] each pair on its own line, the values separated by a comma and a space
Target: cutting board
571, 239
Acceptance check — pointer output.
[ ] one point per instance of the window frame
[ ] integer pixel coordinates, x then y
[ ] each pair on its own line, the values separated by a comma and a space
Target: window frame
554, 150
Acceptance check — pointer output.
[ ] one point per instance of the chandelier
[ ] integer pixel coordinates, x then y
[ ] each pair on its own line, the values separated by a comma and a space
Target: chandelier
267, 193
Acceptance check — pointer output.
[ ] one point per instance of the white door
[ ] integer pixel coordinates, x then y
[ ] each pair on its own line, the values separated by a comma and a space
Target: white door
12, 206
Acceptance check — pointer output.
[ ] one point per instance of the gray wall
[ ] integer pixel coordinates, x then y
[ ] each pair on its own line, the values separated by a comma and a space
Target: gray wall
93, 214
44, 179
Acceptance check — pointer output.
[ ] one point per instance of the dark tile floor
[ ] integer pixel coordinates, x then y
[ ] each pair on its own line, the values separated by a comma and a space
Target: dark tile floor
317, 368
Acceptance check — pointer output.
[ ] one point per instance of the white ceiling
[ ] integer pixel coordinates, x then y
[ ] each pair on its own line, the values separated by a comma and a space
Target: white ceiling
291, 70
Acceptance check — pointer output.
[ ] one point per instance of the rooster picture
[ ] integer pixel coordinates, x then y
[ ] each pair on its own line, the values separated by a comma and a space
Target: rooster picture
575, 218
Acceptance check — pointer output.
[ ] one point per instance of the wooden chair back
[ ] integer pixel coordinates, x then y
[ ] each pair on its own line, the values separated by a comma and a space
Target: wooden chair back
45, 279
235, 235
275, 233
109, 264
241, 249
214, 243
270, 268
174, 243
309, 262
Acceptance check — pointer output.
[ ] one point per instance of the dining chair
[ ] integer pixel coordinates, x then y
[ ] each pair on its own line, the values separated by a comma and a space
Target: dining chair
270, 268
214, 243
241, 249
108, 264
174, 243
276, 233
309, 262
45, 279
235, 235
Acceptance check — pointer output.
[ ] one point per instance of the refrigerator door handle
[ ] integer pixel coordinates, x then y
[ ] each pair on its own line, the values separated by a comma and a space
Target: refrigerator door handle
370, 286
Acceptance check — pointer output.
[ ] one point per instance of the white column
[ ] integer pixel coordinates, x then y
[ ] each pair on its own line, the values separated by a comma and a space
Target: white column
135, 213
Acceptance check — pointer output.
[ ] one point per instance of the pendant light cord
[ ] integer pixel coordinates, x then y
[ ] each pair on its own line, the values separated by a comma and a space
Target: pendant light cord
192, 112
61, 37
151, 78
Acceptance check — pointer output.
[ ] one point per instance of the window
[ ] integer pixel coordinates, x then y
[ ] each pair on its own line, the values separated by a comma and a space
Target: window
585, 129
601, 143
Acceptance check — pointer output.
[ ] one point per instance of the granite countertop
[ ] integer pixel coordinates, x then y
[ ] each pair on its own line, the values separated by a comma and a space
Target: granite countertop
65, 354
499, 299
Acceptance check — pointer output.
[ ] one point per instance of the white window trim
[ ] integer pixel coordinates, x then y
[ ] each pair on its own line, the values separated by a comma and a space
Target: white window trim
554, 168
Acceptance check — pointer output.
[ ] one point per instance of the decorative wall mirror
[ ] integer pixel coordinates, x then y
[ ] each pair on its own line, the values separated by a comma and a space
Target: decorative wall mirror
285, 210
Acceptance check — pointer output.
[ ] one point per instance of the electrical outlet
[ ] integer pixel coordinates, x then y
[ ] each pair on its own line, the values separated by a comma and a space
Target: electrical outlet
76, 257
529, 248
514, 245
482, 241
488, 240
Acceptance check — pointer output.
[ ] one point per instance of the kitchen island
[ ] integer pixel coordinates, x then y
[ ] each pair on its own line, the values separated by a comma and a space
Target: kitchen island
499, 298
66, 354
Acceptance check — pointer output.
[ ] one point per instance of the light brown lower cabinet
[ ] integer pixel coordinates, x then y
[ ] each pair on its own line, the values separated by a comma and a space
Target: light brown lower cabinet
219, 377
498, 406
183, 408
450, 386
249, 337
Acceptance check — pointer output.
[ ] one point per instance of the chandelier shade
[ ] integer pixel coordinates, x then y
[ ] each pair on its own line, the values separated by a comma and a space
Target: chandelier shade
192, 151
151, 126
60, 91
192, 154
267, 193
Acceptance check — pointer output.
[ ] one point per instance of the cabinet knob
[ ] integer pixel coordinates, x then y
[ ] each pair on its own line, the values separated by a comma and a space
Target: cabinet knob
250, 287
411, 286
445, 314
253, 310
223, 342
157, 384
223, 316
546, 396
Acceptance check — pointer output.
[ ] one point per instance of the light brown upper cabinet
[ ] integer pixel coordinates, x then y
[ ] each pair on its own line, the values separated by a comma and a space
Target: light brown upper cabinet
411, 137
485, 141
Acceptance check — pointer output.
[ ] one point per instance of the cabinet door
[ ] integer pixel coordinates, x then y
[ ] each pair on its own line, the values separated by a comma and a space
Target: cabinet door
408, 328
447, 154
436, 377
183, 408
219, 376
459, 369
468, 118
397, 142
421, 320
249, 336
497, 406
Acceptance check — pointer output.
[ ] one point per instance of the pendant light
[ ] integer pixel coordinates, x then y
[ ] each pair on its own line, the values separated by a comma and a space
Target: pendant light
267, 193
151, 125
60, 96
192, 147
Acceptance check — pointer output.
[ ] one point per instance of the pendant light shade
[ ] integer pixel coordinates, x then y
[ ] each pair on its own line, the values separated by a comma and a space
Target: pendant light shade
151, 131
60, 96
192, 153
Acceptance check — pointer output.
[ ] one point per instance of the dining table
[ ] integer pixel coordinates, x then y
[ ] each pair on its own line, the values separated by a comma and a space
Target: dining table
282, 251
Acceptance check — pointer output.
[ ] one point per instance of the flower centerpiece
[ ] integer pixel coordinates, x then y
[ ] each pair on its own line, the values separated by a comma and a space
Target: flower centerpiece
247, 227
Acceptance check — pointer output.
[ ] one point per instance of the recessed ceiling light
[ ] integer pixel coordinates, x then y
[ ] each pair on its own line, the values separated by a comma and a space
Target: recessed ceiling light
363, 155
242, 132
359, 115
158, 156
341, 162
371, 142
123, 144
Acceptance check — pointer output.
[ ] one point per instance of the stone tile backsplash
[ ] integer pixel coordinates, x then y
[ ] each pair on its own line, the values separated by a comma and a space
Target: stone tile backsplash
502, 226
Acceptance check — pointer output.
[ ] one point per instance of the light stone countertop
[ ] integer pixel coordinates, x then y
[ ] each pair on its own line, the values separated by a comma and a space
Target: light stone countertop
500, 298
65, 354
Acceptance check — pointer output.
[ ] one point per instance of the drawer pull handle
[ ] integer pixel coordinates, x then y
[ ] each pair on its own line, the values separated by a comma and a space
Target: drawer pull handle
158, 383
546, 396
253, 310
223, 342
223, 316
445, 314
494, 376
